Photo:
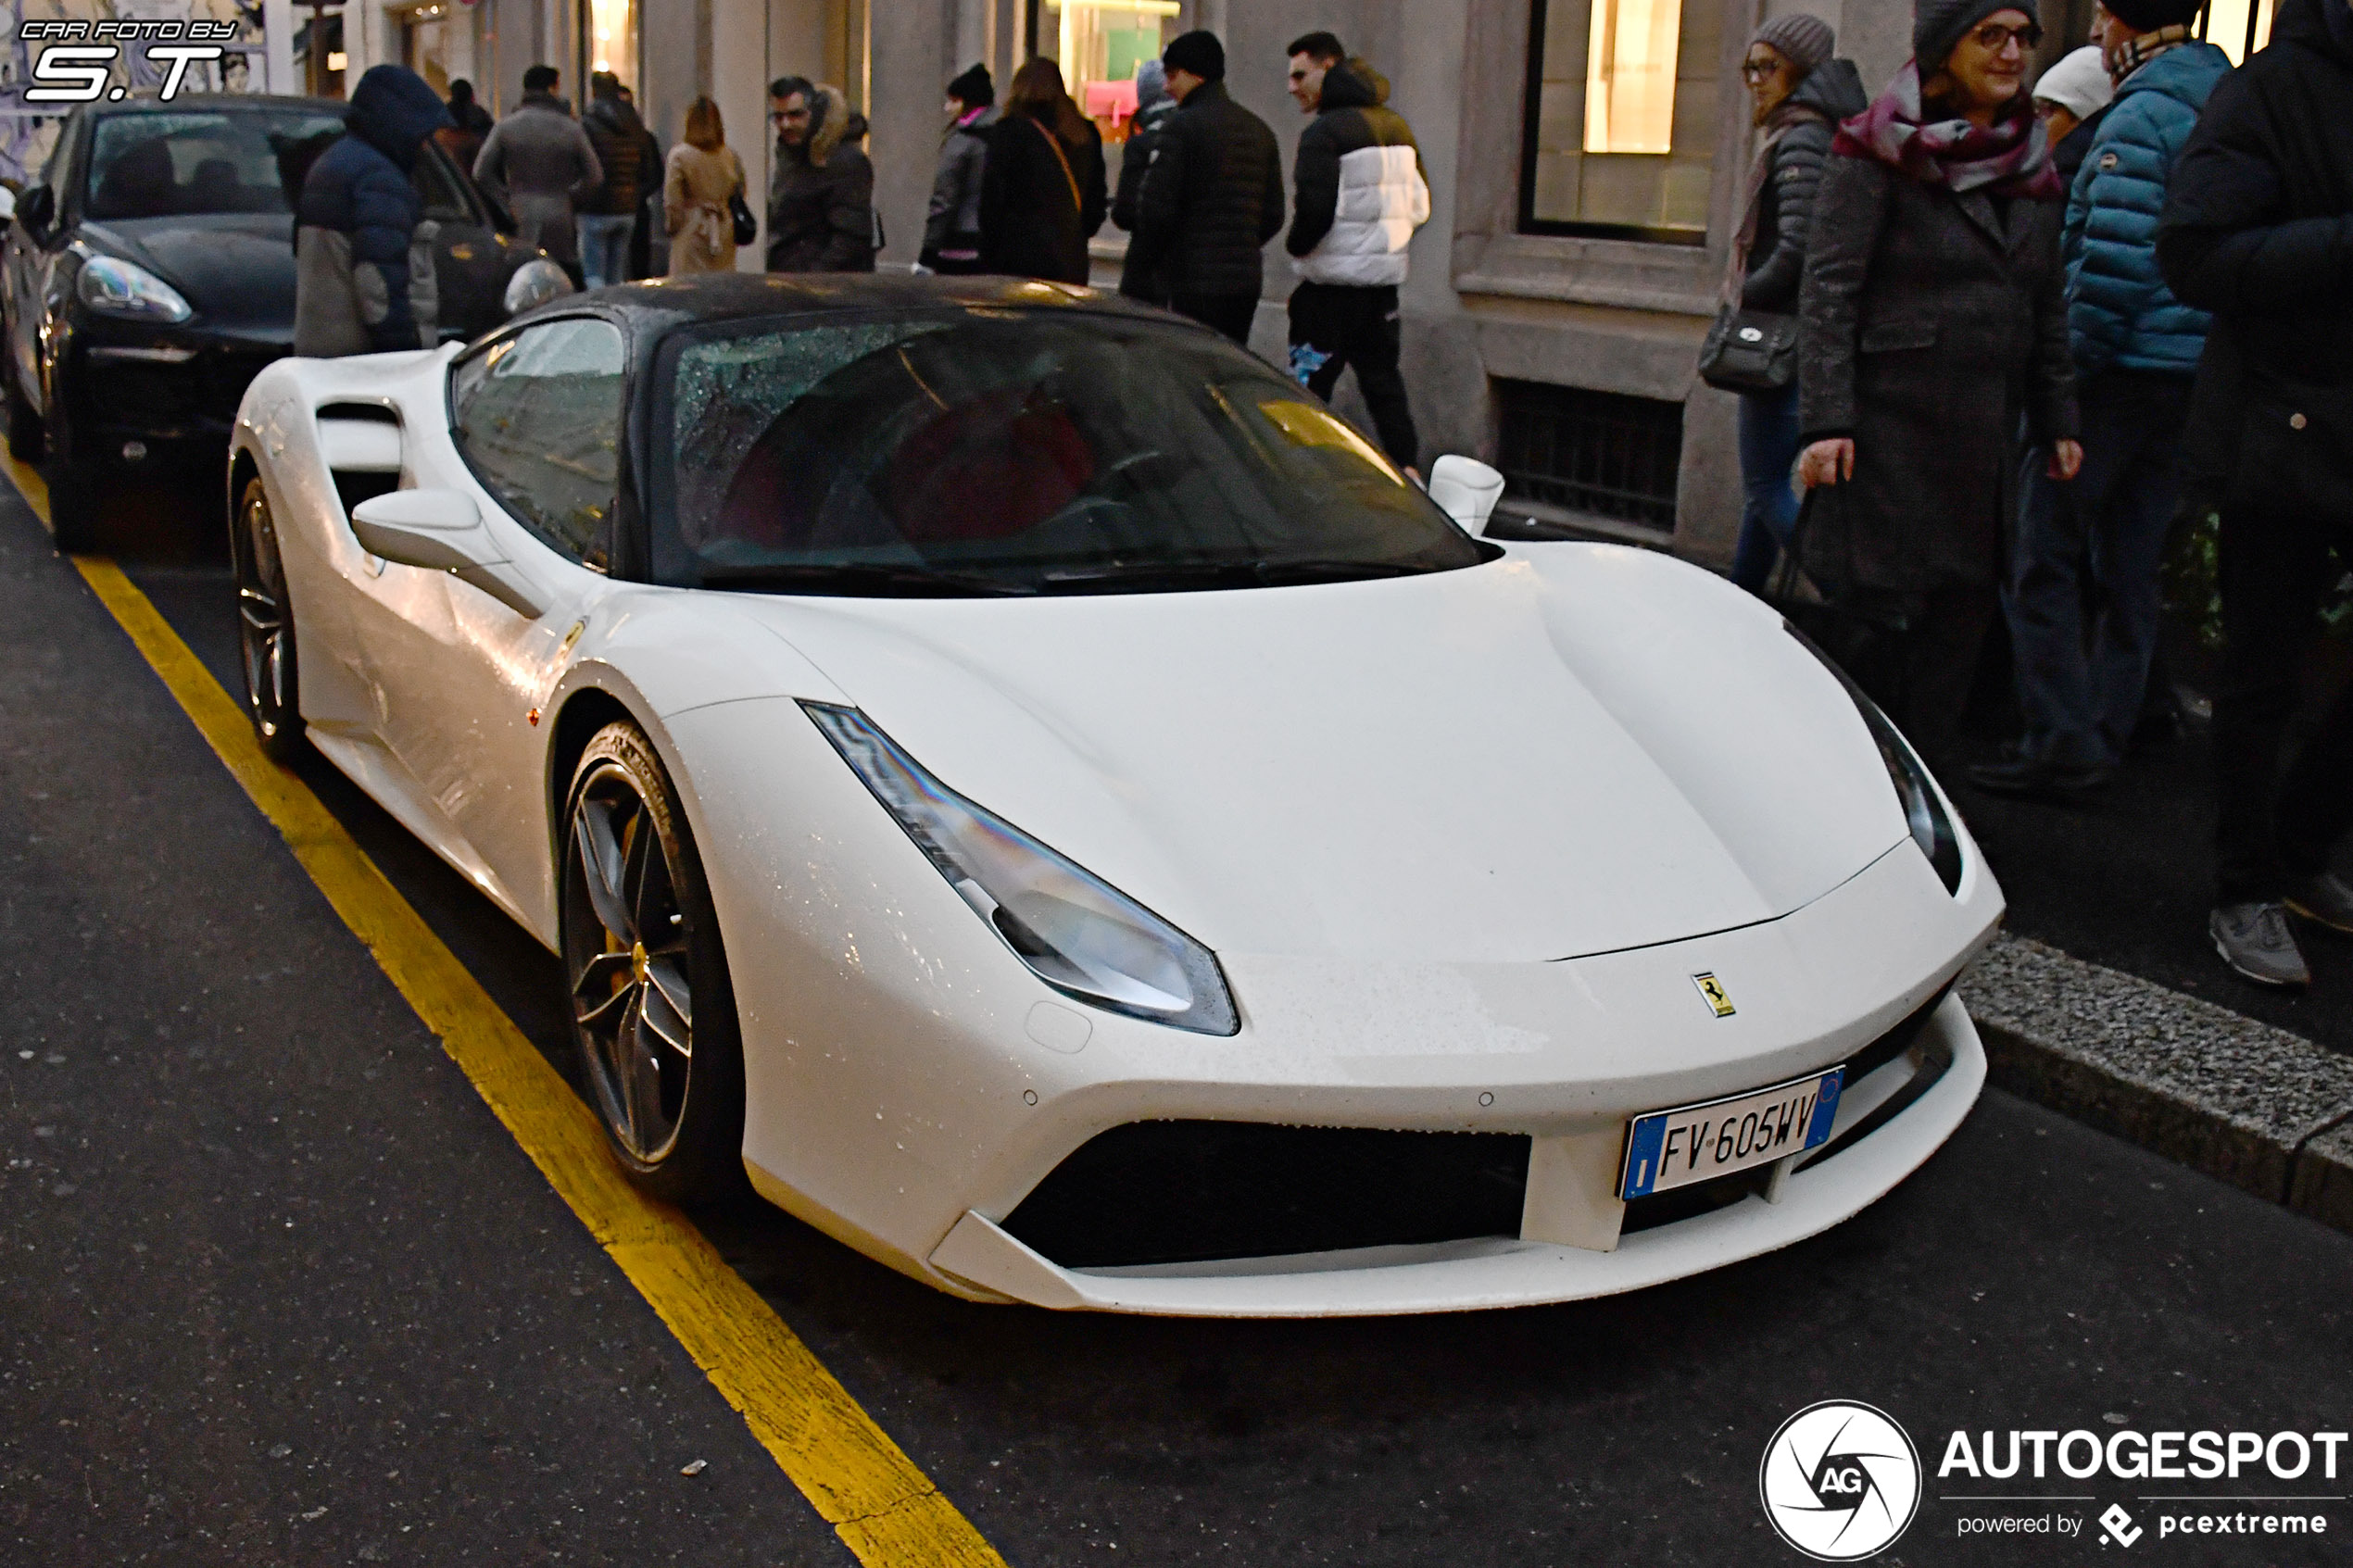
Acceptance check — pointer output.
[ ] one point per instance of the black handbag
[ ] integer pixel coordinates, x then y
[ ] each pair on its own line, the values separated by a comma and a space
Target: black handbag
1750, 351
746, 226
1866, 631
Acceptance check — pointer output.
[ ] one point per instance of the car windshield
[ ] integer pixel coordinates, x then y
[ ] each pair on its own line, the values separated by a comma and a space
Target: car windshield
1002, 451
175, 165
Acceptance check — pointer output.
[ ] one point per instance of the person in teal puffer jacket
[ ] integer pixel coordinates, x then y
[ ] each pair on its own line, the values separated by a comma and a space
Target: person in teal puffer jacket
2136, 351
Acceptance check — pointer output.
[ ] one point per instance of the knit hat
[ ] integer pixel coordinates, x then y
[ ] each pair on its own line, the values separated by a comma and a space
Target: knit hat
974, 89
1938, 27
2078, 83
1151, 83
1197, 52
1804, 41
2148, 16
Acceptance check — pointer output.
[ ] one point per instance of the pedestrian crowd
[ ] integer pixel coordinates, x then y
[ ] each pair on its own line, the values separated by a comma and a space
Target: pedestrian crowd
1995, 341
2004, 339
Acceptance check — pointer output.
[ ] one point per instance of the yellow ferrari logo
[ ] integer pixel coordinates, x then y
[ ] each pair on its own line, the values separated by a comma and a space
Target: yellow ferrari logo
1712, 992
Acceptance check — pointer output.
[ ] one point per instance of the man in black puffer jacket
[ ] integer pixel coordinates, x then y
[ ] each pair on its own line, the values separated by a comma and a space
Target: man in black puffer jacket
1213, 197
2257, 228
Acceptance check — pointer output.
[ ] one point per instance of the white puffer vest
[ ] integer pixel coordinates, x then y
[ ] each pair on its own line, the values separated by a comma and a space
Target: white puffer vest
1382, 200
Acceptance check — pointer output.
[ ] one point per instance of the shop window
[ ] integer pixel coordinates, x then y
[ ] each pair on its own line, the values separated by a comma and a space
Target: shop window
1621, 114
2238, 28
426, 34
319, 56
1098, 43
609, 29
1598, 452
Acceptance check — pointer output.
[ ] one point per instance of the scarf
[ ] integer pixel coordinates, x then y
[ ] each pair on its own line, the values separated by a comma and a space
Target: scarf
2010, 157
2134, 53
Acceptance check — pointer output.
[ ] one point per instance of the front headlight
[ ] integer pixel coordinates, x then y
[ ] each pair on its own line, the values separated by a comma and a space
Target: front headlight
112, 286
1923, 811
535, 282
1076, 931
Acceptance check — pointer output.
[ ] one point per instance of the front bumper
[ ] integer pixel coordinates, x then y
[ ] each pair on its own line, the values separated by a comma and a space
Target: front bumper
1508, 1272
174, 392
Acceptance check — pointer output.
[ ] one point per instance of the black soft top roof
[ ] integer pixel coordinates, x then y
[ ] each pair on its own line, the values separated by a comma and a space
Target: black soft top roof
659, 306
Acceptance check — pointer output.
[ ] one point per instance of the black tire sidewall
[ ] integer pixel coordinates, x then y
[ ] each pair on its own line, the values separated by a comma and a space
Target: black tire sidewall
705, 1164
285, 742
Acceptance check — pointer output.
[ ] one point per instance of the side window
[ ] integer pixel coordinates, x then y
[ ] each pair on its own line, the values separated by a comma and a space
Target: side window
538, 416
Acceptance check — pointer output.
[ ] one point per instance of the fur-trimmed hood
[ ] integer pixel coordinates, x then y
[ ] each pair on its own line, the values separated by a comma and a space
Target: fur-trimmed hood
828, 119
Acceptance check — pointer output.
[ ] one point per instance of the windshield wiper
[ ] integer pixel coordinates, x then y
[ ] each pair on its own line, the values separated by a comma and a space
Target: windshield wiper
865, 580
1221, 575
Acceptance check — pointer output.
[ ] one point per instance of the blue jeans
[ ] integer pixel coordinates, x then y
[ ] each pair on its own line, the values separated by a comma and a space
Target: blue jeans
604, 246
2094, 547
1768, 510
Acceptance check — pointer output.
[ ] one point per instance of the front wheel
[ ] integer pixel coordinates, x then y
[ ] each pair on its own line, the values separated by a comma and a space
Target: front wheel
266, 627
74, 487
652, 1008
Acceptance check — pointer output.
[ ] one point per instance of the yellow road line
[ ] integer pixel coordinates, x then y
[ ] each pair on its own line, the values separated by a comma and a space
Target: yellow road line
884, 1508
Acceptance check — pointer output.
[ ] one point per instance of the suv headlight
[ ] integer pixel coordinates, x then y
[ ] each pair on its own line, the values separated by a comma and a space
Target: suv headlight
1076, 931
112, 286
1923, 811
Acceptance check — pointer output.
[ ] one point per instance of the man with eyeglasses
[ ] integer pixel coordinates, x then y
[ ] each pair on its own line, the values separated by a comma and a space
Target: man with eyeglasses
2257, 228
821, 199
1361, 194
1311, 56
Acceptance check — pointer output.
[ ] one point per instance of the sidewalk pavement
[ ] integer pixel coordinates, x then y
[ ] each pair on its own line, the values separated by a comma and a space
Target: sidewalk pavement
2254, 1104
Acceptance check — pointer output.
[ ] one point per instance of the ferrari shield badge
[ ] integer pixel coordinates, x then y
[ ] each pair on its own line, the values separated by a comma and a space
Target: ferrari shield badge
1711, 991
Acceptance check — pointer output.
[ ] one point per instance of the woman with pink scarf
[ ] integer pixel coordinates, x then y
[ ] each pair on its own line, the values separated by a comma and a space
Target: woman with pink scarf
1933, 326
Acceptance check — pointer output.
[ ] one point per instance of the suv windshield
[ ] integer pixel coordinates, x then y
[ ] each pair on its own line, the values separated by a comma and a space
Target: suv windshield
1001, 451
172, 165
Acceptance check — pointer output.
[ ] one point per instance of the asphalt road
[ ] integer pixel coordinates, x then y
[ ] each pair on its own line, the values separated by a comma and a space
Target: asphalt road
282, 1290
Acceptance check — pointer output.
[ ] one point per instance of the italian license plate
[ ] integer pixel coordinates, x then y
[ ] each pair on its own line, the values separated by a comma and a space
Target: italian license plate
1672, 1149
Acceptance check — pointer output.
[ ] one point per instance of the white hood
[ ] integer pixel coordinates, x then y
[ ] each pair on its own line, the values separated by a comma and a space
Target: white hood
1507, 763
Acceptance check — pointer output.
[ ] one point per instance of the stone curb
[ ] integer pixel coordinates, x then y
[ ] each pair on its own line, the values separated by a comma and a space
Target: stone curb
2257, 1107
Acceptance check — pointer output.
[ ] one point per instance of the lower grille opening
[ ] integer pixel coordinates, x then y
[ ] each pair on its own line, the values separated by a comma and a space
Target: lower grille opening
1188, 1192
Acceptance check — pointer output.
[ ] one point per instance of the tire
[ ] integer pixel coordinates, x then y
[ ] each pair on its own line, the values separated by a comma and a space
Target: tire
73, 492
655, 1021
266, 627
27, 439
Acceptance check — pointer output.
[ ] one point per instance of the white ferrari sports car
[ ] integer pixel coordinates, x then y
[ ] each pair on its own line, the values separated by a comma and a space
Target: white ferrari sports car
1024, 783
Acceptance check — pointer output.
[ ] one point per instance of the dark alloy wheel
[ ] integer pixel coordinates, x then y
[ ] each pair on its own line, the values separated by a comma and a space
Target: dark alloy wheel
266, 627
651, 1006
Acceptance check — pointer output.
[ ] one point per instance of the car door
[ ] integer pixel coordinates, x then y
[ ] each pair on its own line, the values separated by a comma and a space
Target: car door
472, 259
460, 676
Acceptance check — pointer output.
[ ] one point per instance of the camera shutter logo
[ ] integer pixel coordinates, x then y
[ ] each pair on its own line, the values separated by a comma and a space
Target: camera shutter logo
1841, 1481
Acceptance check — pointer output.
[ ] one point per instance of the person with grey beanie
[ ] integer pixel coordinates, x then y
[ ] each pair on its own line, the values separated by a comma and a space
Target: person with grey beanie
1932, 330
1154, 110
1801, 94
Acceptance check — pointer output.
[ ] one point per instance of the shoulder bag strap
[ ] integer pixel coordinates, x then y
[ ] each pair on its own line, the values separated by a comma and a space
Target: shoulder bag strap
1069, 179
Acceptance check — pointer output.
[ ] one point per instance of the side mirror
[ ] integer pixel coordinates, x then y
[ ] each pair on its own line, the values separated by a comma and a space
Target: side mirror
1466, 490
442, 531
36, 209
534, 283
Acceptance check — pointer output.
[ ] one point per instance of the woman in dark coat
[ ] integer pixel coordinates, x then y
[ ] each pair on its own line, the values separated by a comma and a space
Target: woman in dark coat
1800, 94
1934, 319
1042, 196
